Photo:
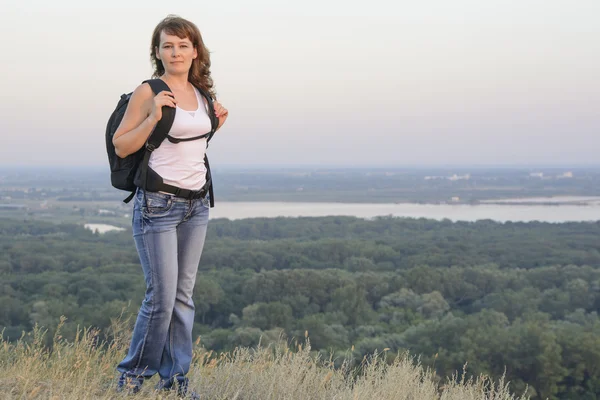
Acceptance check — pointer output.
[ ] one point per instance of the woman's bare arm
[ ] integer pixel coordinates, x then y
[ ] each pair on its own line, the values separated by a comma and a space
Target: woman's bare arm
143, 112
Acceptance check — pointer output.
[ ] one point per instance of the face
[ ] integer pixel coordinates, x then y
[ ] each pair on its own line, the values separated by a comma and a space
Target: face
175, 53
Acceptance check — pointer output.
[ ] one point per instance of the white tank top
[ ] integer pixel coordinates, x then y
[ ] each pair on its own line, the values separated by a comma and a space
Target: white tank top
182, 164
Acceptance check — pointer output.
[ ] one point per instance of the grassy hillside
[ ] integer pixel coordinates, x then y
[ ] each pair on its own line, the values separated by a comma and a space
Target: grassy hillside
85, 369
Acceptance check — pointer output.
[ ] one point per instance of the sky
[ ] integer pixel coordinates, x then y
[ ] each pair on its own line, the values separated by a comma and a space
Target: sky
319, 83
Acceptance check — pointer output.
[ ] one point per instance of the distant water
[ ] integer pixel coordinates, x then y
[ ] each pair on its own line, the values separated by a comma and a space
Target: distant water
454, 212
578, 200
560, 210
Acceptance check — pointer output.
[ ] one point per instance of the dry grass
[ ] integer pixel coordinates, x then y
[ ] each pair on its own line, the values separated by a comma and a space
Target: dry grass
85, 369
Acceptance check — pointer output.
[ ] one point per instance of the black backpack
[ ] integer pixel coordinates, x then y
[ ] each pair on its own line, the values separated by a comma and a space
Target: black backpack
132, 171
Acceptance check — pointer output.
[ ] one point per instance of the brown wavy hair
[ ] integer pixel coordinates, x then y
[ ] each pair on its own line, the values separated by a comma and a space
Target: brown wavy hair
199, 74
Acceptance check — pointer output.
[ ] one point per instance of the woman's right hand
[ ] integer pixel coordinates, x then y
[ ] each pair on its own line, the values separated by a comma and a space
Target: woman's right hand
162, 99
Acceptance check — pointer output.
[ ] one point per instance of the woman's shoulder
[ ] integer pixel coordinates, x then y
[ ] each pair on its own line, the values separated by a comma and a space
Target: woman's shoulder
142, 92
143, 89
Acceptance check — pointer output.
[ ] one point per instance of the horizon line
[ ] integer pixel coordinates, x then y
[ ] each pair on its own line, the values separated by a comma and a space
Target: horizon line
330, 166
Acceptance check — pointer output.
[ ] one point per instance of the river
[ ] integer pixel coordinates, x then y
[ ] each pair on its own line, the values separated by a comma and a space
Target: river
561, 212
454, 212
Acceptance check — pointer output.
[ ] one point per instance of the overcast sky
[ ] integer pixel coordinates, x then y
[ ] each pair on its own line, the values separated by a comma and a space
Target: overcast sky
319, 82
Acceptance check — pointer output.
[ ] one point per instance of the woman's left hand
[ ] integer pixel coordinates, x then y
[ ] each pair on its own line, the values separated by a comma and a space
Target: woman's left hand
221, 113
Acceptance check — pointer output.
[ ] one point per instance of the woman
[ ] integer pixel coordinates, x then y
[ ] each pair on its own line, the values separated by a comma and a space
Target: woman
169, 230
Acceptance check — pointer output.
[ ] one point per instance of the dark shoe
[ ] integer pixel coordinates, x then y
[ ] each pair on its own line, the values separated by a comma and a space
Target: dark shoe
180, 385
194, 395
130, 384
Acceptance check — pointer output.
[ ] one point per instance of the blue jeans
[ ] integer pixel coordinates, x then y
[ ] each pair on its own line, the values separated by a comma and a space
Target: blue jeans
169, 235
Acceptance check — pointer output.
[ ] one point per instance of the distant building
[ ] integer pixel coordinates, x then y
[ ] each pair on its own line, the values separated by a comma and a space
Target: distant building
105, 212
567, 175
455, 199
460, 177
536, 174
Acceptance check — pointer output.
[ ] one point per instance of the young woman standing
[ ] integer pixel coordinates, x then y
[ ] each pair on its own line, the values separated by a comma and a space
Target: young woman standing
169, 229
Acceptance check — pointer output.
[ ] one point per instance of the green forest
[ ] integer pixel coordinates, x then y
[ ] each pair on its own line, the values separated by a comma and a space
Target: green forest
519, 299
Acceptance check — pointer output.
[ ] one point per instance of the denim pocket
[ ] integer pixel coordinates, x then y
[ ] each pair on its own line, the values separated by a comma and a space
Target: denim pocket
157, 204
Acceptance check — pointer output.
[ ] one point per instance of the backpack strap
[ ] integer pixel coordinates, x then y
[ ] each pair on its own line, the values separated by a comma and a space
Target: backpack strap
214, 121
128, 198
163, 126
211, 191
179, 140
160, 131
